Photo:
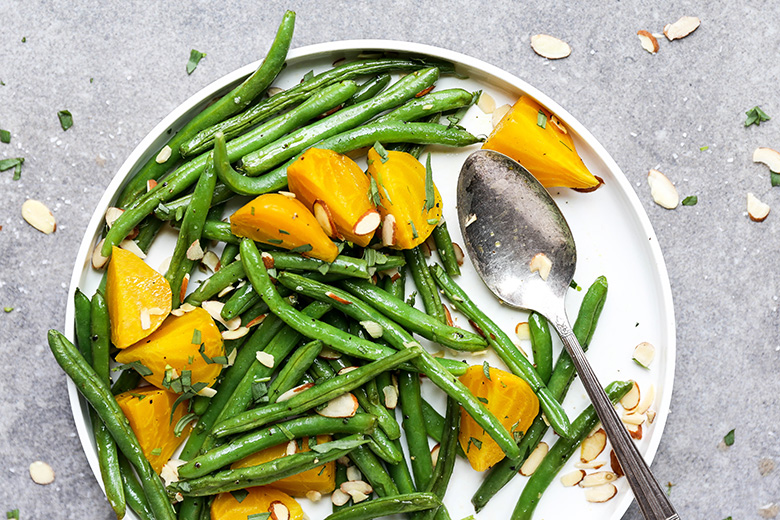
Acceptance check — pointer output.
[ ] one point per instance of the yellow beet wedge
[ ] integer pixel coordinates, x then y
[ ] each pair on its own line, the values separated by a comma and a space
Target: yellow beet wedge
507, 397
259, 500
177, 344
284, 222
139, 298
534, 137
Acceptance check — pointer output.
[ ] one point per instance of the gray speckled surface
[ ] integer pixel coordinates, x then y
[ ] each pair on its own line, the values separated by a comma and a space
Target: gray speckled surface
647, 111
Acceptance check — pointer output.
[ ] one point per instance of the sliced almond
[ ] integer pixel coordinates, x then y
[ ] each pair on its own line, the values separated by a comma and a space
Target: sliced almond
499, 113
235, 334
195, 252
207, 391
631, 399
164, 265
279, 511
593, 445
314, 495
541, 264
534, 459
614, 463
447, 315
214, 308
662, 190
549, 47
268, 260
425, 247
294, 391
292, 448
265, 359
41, 473
146, 319
211, 261
345, 405
598, 478
256, 321
633, 418
346, 370
648, 41
757, 210
635, 431
594, 464
288, 194
644, 354
650, 416
523, 331
39, 216
164, 155
170, 471
486, 103
324, 217
112, 214
335, 297
272, 91
459, 257
130, 245
769, 157
601, 493
681, 28
573, 478
647, 400
185, 282
374, 329
557, 124
353, 473
360, 486
389, 229
367, 223
329, 353
391, 397
98, 260
339, 498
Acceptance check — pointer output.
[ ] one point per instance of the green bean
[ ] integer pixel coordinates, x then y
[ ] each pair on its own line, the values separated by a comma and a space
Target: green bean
218, 281
385, 506
174, 210
506, 350
314, 396
127, 380
373, 471
341, 477
199, 404
294, 368
134, 493
99, 396
82, 322
427, 364
191, 231
415, 320
240, 123
541, 344
414, 427
445, 461
147, 232
400, 473
434, 425
241, 299
446, 250
315, 329
426, 287
245, 445
562, 377
228, 255
360, 137
267, 472
435, 102
343, 264
369, 89
185, 175
219, 231
560, 453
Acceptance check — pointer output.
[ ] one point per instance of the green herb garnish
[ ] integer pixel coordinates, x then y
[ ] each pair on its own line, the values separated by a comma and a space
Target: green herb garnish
283, 232
287, 433
690, 200
343, 444
203, 354
139, 367
195, 57
482, 400
411, 299
259, 391
308, 75
476, 442
196, 338
728, 440
381, 151
414, 230
5, 136
12, 514
756, 116
8, 309
182, 423
373, 193
541, 119
239, 494
305, 248
430, 194
157, 452
275, 241
259, 516
15, 163
66, 119
704, 148
486, 370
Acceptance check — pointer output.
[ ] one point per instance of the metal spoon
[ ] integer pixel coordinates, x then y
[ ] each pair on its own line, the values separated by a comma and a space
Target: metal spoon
507, 218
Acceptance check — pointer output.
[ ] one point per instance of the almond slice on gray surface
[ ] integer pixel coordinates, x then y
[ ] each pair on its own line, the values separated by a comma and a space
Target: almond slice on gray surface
757, 211
550, 47
593, 445
41, 473
648, 41
662, 190
681, 28
39, 216
601, 493
769, 157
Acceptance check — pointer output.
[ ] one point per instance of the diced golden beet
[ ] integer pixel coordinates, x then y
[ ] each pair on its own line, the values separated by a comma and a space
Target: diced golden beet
259, 500
534, 137
321, 478
342, 188
177, 344
139, 298
149, 411
509, 398
283, 222
401, 184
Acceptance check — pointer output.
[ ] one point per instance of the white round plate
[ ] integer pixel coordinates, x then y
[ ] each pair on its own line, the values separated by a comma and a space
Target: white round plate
613, 235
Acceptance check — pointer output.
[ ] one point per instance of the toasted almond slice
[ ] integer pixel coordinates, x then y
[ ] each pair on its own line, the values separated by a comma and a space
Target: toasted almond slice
170, 471
650, 416
541, 264
601, 493
662, 190
499, 113
459, 257
358, 497
549, 47
272, 91
339, 498
314, 495
279, 511
572, 478
769, 510
367, 223
207, 391
614, 463
631, 399
256, 321
682, 27
534, 459
523, 331
195, 252
598, 478
41, 473
211, 260
345, 405
557, 124
112, 214
593, 445
292, 448
98, 260
329, 353
648, 41
346, 370
294, 391
769, 157
594, 464
486, 103
335, 297
146, 320
150, 184
647, 400
635, 430
389, 228
391, 397
324, 217
39, 216
644, 354
214, 308
240, 332
435, 454
360, 486
164, 155
633, 418
185, 282
353, 473
447, 315
130, 245
374, 329
288, 194
164, 265
265, 359
425, 247
757, 210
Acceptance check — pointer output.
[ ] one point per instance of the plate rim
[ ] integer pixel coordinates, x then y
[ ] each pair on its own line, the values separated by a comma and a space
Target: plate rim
83, 257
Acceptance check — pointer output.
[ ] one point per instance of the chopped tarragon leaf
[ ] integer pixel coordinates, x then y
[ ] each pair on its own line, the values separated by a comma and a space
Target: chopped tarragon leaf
728, 440
196, 338
259, 516
195, 57
239, 494
704, 148
5, 136
190, 360
8, 309
414, 229
157, 452
66, 119
566, 145
486, 370
381, 151
220, 360
12, 514
308, 75
287, 433
411, 299
324, 268
482, 400
690, 200
541, 119
775, 178
476, 442
373, 193
669, 487
206, 358
432, 221
182, 423
259, 391
470, 517
305, 248
430, 194
139, 367
275, 241
756, 116
283, 232
574, 286
343, 444
15, 163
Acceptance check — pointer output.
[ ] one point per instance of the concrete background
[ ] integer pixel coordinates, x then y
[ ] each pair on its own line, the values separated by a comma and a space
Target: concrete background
119, 68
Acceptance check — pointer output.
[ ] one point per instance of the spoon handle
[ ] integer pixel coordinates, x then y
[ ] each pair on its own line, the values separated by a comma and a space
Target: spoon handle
653, 502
